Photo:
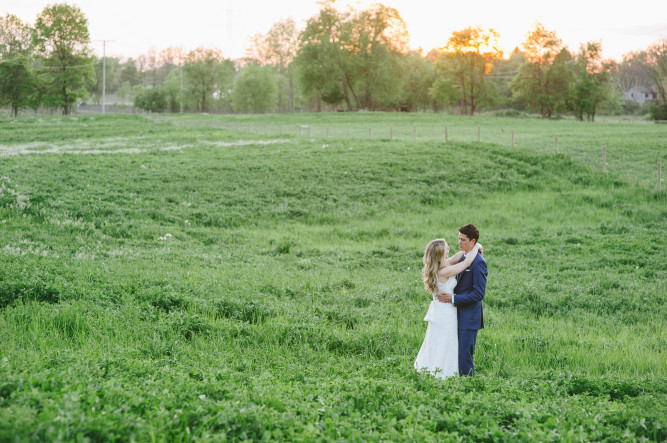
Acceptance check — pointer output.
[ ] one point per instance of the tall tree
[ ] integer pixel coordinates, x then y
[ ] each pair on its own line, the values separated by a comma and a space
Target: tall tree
206, 74
655, 66
377, 42
592, 84
319, 58
419, 73
255, 89
464, 65
543, 81
17, 81
502, 74
62, 43
353, 56
277, 48
129, 73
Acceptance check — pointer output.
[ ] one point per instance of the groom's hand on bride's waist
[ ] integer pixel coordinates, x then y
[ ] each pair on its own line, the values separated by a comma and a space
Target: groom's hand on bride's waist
444, 297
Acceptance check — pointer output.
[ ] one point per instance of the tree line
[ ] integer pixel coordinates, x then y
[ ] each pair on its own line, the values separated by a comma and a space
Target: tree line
348, 60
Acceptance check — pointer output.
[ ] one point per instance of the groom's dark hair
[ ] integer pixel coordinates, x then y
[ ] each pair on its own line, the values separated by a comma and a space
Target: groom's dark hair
470, 231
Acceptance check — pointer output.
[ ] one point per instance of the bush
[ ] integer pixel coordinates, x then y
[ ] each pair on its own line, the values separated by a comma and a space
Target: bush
658, 112
152, 99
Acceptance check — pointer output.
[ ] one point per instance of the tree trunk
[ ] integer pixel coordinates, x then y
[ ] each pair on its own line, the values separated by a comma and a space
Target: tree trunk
347, 94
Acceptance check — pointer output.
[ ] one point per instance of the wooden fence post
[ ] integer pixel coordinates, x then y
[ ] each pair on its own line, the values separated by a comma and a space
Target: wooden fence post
556, 145
308, 130
479, 133
414, 133
391, 133
604, 159
512, 138
446, 134
659, 180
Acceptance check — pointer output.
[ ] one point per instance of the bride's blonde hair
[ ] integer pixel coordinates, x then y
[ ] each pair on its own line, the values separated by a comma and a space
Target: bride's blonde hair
434, 259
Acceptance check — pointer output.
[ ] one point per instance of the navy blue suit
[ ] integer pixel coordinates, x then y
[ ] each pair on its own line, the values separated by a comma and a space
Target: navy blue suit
468, 296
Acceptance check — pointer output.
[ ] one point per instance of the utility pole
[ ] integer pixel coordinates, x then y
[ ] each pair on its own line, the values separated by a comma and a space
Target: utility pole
104, 72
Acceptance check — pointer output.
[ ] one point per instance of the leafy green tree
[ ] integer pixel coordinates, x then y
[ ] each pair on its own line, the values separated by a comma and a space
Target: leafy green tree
255, 90
151, 99
419, 76
376, 45
502, 73
655, 66
353, 57
62, 41
17, 80
207, 74
592, 85
319, 59
464, 65
277, 48
129, 73
172, 89
544, 80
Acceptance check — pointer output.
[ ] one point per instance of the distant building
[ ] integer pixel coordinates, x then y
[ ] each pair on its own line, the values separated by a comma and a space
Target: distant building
641, 94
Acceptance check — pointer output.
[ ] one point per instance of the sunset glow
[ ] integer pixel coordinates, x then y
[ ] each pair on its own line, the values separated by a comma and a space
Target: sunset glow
134, 27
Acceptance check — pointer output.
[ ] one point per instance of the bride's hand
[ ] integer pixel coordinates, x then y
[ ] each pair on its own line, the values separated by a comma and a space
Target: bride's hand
481, 248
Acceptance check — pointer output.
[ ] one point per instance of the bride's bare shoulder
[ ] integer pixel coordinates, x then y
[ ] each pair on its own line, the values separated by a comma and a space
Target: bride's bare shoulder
444, 274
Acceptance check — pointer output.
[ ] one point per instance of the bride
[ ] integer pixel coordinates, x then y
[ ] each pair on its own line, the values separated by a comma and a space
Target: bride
439, 353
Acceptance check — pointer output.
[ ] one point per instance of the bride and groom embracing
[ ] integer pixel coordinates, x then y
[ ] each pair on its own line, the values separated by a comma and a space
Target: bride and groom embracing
457, 284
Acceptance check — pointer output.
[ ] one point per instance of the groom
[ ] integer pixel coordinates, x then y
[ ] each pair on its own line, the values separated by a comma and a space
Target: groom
467, 298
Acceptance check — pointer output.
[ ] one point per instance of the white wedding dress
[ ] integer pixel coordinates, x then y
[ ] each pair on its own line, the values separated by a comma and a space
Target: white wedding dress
439, 353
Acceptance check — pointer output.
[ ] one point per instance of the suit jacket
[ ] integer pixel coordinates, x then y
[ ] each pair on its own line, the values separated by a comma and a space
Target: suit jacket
469, 293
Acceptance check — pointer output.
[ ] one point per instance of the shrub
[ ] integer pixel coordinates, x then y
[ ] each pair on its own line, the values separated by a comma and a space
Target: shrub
152, 99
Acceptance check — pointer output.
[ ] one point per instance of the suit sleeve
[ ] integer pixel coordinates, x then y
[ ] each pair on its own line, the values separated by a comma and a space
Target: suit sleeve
479, 273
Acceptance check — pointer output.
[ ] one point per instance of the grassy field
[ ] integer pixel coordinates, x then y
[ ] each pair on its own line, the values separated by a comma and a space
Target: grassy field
190, 278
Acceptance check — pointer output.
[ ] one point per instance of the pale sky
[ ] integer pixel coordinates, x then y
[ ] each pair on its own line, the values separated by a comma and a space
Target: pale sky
135, 26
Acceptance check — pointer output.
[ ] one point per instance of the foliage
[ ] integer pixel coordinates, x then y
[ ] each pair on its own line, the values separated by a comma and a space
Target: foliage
655, 66
255, 90
103, 71
61, 42
151, 99
277, 48
17, 79
658, 112
463, 67
172, 89
544, 80
592, 85
206, 75
353, 57
419, 78
502, 73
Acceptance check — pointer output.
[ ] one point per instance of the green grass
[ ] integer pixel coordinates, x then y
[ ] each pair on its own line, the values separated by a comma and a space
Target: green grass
285, 303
